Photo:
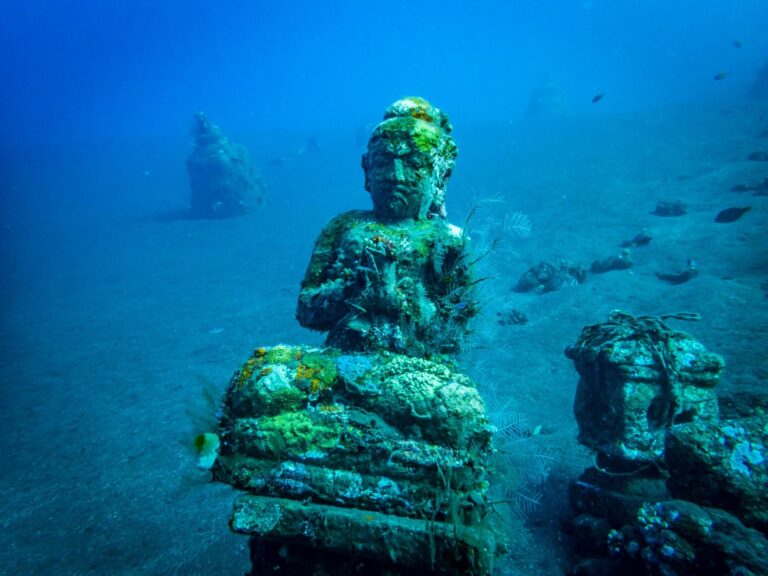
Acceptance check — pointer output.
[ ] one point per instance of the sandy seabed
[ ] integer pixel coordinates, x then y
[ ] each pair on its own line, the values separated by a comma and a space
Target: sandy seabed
113, 324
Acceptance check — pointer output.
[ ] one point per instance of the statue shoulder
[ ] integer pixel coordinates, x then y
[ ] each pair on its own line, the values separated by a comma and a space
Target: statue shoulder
333, 233
346, 220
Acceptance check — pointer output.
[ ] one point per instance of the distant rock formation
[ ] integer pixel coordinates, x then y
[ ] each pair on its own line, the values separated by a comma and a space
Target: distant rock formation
222, 179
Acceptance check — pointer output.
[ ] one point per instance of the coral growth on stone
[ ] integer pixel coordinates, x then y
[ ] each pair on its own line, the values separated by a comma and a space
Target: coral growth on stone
399, 277
674, 489
372, 453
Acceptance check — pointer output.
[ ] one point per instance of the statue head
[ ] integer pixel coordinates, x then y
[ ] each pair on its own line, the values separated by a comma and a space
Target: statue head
410, 157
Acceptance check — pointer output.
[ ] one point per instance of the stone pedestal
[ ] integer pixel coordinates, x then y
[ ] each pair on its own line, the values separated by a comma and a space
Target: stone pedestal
377, 456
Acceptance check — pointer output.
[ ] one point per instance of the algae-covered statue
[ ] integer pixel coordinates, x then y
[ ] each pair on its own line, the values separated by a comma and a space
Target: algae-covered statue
397, 277
678, 486
222, 179
369, 456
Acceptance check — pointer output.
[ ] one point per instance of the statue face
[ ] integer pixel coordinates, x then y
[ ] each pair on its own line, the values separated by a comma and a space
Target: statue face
399, 180
409, 160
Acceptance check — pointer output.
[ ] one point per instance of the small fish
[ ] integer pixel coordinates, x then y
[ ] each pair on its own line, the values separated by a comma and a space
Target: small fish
730, 215
737, 44
720, 76
207, 447
597, 97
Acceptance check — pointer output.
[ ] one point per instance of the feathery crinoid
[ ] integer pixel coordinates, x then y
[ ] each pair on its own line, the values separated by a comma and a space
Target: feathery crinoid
524, 456
472, 274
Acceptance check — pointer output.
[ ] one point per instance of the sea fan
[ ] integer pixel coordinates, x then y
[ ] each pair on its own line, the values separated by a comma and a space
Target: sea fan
516, 224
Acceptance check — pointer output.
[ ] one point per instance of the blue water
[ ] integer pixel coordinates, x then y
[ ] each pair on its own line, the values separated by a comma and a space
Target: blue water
114, 315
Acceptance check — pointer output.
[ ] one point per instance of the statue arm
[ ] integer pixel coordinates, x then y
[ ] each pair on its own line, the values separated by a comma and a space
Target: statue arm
324, 289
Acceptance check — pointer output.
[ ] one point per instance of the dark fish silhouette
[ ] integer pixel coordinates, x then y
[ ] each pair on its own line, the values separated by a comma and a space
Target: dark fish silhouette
737, 44
720, 76
730, 214
596, 98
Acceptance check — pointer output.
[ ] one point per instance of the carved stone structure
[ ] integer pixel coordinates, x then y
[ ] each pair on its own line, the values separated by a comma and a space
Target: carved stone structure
370, 456
674, 489
222, 179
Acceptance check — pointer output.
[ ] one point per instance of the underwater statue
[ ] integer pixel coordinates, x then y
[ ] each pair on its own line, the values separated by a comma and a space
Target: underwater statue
371, 455
679, 485
222, 179
397, 277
